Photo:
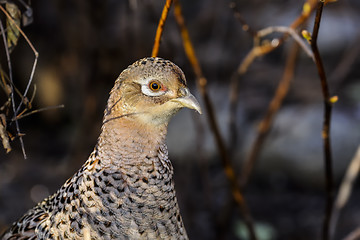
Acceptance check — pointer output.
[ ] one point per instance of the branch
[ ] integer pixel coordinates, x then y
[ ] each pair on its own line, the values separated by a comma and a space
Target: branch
37, 111
160, 28
354, 235
291, 32
23, 96
257, 51
202, 85
12, 88
345, 190
326, 124
273, 108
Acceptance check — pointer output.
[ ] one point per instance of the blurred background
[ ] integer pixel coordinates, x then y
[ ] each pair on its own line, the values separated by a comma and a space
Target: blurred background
83, 47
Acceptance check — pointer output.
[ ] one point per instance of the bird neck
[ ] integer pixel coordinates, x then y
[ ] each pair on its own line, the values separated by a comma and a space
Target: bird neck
126, 141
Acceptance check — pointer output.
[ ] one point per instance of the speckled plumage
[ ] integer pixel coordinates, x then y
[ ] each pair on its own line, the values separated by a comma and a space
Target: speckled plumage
125, 189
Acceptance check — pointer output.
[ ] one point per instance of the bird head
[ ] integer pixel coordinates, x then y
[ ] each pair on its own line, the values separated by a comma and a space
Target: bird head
151, 91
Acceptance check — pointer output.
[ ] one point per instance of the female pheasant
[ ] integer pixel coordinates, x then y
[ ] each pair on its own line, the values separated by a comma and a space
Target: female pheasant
125, 189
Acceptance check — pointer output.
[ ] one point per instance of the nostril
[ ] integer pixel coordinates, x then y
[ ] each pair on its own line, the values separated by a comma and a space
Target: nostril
183, 92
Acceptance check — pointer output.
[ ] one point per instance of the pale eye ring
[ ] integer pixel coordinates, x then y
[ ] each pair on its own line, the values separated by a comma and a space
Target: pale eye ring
155, 86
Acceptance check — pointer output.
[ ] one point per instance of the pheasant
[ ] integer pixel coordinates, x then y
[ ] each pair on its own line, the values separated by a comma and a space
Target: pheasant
125, 190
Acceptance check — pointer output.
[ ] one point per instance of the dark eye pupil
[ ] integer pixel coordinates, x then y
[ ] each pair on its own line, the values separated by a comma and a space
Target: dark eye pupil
154, 86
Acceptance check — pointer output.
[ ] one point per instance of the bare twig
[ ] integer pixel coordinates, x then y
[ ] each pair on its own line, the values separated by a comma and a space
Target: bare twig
23, 96
35, 60
266, 48
326, 124
257, 51
291, 32
37, 111
345, 190
12, 88
160, 28
202, 85
354, 235
274, 106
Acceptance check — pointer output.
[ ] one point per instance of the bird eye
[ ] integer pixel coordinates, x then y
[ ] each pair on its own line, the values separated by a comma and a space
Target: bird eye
154, 86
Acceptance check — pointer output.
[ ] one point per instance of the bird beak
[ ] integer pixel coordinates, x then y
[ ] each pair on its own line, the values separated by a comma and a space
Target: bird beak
188, 100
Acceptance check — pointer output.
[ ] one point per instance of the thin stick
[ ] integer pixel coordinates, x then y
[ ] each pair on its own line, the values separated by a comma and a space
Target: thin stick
273, 108
268, 48
12, 88
37, 111
35, 53
326, 124
202, 85
345, 190
160, 28
283, 29
29, 82
257, 51
354, 235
